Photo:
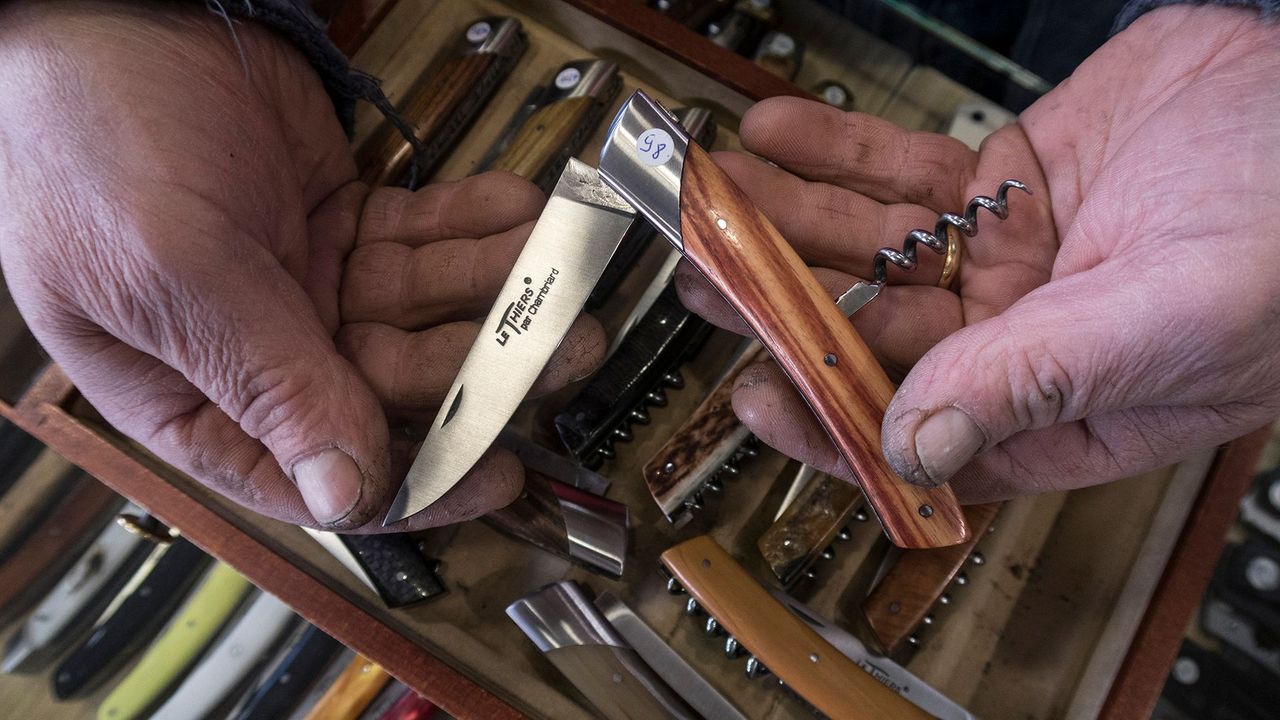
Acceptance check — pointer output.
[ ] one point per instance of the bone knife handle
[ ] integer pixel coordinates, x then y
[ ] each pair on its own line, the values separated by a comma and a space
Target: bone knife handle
754, 268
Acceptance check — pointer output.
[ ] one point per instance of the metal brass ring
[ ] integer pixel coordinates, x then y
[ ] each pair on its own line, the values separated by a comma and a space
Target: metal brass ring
951, 263
146, 527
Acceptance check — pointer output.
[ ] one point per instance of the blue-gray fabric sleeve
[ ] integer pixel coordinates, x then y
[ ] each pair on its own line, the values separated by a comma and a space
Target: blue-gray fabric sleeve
1135, 8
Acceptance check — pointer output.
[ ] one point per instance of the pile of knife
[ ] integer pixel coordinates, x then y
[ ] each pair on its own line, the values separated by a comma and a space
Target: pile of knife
200, 641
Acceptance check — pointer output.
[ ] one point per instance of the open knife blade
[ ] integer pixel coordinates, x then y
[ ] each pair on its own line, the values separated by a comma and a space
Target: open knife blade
568, 250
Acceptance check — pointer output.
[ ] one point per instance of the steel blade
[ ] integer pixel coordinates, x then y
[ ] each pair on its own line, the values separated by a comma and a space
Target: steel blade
861, 293
568, 250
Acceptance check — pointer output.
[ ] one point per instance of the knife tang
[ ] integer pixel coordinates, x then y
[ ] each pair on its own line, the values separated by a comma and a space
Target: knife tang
357, 686
631, 379
568, 112
674, 183
737, 30
808, 526
681, 469
570, 632
133, 618
82, 593
185, 638
51, 547
245, 646
570, 523
900, 602
18, 450
698, 123
790, 649
395, 567
287, 682
444, 102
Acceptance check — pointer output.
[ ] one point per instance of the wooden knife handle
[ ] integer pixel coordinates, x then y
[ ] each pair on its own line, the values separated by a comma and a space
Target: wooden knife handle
898, 603
543, 137
745, 258
808, 526
352, 692
430, 108
792, 650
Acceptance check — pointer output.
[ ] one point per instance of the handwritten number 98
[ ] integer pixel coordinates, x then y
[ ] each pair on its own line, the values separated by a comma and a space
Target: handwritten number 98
647, 145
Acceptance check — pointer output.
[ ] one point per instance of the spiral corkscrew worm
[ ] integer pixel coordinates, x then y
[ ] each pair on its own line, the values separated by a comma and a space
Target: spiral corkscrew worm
908, 258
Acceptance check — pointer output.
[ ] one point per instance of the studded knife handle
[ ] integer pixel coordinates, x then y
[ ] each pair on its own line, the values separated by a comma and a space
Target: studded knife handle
399, 571
738, 250
903, 598
801, 659
809, 524
352, 692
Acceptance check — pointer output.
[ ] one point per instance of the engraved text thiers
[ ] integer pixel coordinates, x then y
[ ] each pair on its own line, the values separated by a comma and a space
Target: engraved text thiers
520, 313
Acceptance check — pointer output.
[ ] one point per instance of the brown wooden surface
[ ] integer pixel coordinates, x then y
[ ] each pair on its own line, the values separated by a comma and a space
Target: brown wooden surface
53, 545
311, 597
790, 649
898, 603
695, 50
429, 109
351, 693
354, 20
703, 442
794, 317
543, 137
1137, 686
808, 525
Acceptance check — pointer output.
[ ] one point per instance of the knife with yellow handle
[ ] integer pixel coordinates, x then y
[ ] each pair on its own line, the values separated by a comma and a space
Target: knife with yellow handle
352, 692
188, 634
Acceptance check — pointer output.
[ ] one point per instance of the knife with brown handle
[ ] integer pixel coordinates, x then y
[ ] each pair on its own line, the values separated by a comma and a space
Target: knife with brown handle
808, 526
903, 598
779, 640
649, 161
443, 103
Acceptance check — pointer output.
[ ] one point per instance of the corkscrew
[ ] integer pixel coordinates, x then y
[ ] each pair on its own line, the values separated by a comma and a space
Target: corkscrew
939, 240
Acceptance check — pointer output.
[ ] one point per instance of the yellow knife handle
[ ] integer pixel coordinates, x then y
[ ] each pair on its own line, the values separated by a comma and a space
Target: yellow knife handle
352, 692
194, 627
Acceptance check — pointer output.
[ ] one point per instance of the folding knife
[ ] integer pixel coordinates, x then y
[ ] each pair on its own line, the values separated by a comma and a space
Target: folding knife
245, 646
285, 684
185, 639
82, 593
409, 706
648, 160
571, 633
353, 691
391, 564
443, 102
132, 619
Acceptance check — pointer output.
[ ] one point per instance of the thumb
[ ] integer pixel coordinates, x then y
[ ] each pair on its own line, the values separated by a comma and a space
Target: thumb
253, 345
1071, 349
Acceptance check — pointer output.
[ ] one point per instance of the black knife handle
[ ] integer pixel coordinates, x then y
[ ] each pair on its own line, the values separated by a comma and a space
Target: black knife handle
399, 571
134, 623
286, 683
17, 451
666, 335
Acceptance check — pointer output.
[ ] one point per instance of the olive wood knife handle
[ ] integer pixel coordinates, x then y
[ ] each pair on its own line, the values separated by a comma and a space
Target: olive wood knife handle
792, 650
730, 241
899, 602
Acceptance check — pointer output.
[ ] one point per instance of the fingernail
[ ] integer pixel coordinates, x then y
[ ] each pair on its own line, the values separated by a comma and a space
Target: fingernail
945, 442
330, 483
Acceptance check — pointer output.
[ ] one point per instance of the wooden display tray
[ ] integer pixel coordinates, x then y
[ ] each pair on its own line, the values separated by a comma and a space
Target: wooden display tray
1042, 630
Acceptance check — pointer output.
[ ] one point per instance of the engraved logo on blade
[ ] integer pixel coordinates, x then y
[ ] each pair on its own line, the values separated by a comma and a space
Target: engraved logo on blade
523, 311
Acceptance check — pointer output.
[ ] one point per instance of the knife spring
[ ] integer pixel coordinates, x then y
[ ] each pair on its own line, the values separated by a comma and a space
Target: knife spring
908, 257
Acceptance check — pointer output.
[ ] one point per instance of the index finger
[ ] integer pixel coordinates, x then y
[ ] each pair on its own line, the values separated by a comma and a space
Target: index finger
860, 152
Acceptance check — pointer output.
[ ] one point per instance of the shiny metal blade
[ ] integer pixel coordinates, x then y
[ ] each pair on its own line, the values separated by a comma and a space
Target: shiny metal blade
576, 235
852, 300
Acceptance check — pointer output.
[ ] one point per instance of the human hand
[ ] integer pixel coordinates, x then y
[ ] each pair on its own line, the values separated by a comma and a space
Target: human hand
1124, 316
179, 210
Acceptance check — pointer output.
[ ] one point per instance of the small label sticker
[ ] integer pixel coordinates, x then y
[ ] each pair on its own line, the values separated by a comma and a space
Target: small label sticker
568, 77
478, 32
654, 147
